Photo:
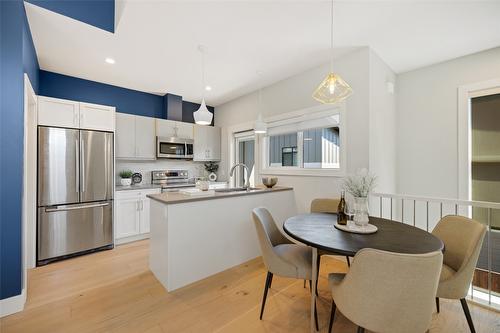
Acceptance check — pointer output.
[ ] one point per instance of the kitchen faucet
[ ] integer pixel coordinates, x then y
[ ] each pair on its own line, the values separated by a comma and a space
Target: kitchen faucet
247, 183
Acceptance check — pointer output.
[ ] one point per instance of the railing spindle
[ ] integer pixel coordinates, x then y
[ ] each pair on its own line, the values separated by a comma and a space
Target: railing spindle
381, 207
427, 213
414, 212
489, 256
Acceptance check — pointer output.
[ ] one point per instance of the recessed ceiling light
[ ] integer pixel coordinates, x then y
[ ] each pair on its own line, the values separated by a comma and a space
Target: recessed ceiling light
110, 60
208, 88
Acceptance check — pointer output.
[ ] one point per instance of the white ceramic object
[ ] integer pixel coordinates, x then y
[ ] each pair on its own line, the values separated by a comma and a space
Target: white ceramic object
352, 227
194, 192
212, 177
126, 181
203, 185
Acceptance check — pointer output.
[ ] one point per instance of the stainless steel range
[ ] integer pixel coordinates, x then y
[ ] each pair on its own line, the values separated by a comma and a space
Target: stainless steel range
172, 180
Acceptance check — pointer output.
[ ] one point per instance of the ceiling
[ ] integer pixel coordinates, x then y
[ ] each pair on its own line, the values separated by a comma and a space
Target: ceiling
155, 42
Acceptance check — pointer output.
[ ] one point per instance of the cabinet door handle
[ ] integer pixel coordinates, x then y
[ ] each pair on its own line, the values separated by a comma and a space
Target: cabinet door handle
137, 205
142, 205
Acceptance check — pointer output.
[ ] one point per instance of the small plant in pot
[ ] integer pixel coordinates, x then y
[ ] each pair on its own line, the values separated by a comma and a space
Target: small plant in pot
126, 177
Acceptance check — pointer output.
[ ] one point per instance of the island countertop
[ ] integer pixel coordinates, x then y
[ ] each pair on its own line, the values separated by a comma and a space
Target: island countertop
176, 197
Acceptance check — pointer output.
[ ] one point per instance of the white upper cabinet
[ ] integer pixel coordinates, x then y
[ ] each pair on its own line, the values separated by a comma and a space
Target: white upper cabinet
135, 137
58, 112
170, 128
206, 143
125, 136
64, 113
145, 139
97, 117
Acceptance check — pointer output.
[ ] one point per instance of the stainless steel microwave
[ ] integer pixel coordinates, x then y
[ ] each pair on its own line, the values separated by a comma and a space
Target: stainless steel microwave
174, 147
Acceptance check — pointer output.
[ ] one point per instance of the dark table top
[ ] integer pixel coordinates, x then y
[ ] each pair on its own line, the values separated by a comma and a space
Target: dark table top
317, 230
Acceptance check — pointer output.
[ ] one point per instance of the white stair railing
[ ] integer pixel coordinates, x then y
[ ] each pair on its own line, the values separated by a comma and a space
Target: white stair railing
425, 213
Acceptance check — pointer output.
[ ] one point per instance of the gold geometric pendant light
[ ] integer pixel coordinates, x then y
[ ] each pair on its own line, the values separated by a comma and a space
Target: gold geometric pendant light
333, 88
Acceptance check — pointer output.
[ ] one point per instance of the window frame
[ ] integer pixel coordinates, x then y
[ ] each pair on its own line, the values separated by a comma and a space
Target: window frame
296, 117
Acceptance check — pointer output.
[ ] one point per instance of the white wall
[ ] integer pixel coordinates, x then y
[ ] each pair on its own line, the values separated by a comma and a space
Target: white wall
295, 93
382, 147
427, 148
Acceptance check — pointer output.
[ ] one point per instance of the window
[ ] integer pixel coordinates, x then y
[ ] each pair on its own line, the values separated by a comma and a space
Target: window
305, 144
244, 153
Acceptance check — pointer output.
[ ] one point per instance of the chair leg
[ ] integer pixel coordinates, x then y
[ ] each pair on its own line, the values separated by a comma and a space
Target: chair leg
316, 316
467, 315
348, 261
361, 329
437, 304
318, 266
332, 316
269, 279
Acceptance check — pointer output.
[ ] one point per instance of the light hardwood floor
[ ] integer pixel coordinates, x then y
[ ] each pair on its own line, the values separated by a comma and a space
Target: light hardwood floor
114, 291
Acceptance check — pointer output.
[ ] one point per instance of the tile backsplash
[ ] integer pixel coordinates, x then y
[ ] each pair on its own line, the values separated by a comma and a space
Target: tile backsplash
195, 169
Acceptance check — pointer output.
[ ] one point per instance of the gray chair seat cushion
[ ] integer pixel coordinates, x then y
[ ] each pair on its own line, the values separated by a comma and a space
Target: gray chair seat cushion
298, 256
446, 273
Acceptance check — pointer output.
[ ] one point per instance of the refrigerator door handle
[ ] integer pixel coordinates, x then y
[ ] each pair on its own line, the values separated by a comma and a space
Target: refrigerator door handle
77, 167
82, 164
66, 208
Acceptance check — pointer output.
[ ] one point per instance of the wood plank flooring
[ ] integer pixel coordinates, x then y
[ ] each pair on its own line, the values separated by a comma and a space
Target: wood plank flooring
114, 291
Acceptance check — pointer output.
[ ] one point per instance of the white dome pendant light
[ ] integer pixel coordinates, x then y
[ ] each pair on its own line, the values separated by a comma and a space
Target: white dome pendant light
202, 116
333, 88
260, 127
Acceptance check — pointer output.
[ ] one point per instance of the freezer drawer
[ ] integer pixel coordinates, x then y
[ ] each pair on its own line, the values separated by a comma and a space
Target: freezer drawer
69, 229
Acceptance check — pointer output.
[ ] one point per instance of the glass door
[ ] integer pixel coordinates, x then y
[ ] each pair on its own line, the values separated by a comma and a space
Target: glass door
245, 153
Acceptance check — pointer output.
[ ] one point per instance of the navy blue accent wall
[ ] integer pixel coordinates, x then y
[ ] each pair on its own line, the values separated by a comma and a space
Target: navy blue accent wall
11, 145
188, 108
174, 106
99, 13
125, 100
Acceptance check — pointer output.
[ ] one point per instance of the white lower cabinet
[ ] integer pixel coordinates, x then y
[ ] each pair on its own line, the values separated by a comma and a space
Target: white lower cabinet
132, 215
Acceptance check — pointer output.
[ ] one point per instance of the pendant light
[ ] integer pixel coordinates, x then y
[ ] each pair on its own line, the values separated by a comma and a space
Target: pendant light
260, 126
202, 116
333, 88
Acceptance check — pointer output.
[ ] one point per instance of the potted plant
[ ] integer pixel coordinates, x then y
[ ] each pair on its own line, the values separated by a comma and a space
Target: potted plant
359, 186
211, 168
126, 177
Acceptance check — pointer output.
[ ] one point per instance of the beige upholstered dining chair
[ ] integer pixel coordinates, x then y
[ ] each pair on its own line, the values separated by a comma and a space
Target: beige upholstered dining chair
387, 292
462, 238
281, 257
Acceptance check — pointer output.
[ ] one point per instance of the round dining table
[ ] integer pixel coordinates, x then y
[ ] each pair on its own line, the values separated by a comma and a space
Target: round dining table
317, 230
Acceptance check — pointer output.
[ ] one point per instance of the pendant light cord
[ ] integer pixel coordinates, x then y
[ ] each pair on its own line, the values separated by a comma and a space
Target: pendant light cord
201, 48
331, 38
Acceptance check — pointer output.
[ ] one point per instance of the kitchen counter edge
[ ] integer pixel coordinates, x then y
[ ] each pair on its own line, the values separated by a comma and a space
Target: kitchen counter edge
176, 198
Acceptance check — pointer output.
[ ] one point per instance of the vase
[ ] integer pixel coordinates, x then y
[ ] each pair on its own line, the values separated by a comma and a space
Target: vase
361, 211
126, 181
212, 177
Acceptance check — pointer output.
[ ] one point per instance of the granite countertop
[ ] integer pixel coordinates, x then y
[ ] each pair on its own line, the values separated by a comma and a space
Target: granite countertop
142, 186
176, 197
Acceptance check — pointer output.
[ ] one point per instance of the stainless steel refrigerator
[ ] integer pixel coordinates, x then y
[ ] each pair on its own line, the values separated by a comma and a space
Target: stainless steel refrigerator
75, 192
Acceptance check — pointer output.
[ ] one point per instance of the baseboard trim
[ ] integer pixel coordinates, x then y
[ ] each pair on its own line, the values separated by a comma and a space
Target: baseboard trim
12, 304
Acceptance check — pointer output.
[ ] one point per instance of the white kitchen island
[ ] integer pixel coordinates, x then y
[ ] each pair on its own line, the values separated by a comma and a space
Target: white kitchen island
195, 237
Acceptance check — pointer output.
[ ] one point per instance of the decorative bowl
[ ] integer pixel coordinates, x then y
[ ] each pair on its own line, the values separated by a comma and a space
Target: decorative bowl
269, 182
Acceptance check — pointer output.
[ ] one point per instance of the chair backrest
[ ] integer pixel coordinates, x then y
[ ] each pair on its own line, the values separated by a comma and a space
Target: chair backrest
324, 205
462, 238
390, 292
268, 235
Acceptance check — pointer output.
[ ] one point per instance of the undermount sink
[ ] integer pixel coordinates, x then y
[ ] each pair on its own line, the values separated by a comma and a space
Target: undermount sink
236, 189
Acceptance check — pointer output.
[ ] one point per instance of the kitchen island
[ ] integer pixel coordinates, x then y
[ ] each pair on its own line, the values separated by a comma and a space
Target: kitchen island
193, 237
